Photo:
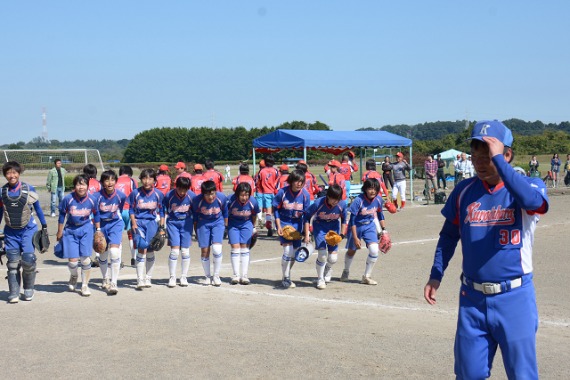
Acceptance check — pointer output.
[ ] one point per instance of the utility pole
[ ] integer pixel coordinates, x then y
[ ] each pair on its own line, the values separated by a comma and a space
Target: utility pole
44, 125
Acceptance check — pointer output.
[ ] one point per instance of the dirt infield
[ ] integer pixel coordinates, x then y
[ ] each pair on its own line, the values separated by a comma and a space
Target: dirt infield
262, 331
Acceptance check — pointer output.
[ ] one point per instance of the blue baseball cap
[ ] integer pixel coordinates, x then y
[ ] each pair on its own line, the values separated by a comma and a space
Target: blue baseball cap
492, 128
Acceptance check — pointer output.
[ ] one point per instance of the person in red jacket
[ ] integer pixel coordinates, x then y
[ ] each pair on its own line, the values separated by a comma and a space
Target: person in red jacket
347, 167
244, 177
282, 178
337, 178
181, 172
266, 181
163, 179
310, 181
197, 179
213, 175
372, 173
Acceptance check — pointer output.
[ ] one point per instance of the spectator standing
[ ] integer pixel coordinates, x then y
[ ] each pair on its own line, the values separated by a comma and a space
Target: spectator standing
55, 184
387, 172
430, 166
440, 173
567, 170
533, 167
555, 168
399, 169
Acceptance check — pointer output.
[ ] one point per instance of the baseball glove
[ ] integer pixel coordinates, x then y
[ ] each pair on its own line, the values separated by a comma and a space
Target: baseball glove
157, 241
391, 207
99, 242
41, 240
253, 240
332, 238
290, 233
385, 242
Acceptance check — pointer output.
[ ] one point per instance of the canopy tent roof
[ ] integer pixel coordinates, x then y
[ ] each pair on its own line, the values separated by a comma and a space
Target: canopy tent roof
450, 154
334, 142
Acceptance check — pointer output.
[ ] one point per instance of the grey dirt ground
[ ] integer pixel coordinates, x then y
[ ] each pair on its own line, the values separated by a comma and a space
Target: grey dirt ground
262, 331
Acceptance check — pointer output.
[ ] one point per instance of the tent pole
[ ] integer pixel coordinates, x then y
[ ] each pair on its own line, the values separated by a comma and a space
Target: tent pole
254, 166
411, 177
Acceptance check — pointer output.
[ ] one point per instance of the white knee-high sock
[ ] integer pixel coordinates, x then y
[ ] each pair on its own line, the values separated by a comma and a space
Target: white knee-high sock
287, 260
141, 262
371, 259
217, 253
206, 265
235, 260
185, 253
347, 262
173, 261
244, 261
149, 263
102, 259
72, 266
320, 263
115, 259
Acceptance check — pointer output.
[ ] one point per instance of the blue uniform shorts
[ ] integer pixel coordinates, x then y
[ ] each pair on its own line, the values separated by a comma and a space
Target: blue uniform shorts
240, 233
320, 242
148, 228
298, 226
77, 241
366, 232
507, 320
210, 233
113, 231
180, 232
20, 239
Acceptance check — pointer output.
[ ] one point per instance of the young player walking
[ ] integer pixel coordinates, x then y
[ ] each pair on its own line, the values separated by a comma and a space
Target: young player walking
126, 184
109, 202
329, 214
17, 205
366, 224
289, 207
75, 229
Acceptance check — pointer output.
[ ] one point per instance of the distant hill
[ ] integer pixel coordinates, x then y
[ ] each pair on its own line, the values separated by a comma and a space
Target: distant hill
439, 129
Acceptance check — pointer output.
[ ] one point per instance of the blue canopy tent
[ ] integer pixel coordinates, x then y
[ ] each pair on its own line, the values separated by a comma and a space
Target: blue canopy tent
334, 142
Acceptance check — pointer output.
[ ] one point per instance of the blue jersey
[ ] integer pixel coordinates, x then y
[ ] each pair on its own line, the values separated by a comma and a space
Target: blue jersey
109, 205
239, 213
146, 204
291, 206
210, 213
496, 231
177, 207
363, 210
327, 218
78, 210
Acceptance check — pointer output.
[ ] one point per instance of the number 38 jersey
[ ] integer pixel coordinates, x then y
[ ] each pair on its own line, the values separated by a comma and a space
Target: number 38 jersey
496, 233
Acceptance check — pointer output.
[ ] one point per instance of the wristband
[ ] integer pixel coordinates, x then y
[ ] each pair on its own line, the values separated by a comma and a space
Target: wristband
99, 229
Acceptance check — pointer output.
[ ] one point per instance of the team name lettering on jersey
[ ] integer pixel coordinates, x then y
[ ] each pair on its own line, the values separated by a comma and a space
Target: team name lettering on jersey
494, 216
323, 215
75, 211
150, 205
210, 211
111, 207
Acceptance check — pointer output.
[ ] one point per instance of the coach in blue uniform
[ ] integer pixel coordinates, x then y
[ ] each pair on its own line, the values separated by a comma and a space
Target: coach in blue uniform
495, 215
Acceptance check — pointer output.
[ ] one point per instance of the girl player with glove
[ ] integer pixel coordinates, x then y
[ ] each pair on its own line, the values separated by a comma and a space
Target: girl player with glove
366, 223
289, 207
329, 215
242, 212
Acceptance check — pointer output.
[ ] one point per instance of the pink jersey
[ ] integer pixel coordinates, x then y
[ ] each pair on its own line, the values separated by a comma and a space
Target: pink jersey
163, 183
94, 186
196, 183
338, 179
244, 178
267, 180
126, 184
217, 177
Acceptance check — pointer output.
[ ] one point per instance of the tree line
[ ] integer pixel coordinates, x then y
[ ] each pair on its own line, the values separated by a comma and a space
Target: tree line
196, 144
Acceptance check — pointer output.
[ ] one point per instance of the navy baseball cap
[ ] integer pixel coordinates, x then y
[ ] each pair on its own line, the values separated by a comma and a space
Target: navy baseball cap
492, 128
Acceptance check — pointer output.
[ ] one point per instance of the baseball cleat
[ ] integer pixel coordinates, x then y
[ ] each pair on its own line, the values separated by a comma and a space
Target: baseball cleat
235, 280
244, 280
147, 283
344, 275
216, 280
328, 274
368, 281
183, 281
106, 284
321, 284
207, 281
85, 292
72, 283
172, 282
28, 294
112, 289
140, 284
288, 284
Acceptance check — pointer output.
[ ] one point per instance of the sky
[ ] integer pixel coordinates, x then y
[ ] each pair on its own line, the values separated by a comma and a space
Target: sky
111, 69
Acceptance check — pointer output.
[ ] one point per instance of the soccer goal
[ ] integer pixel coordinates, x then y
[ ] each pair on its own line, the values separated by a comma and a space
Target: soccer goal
43, 158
